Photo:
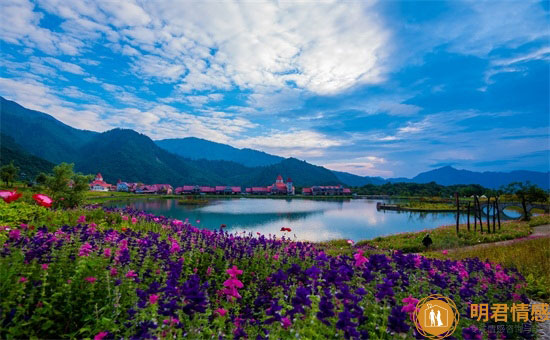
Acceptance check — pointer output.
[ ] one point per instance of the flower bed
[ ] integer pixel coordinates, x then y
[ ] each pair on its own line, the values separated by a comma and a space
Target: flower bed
130, 274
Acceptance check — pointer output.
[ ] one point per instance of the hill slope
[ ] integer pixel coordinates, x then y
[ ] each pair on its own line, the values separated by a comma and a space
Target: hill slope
197, 148
134, 157
29, 165
40, 134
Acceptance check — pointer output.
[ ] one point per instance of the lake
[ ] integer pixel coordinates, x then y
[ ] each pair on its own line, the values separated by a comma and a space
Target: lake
313, 220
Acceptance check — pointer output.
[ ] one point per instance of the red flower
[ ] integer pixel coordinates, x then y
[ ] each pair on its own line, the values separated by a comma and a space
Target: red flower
43, 200
10, 196
286, 229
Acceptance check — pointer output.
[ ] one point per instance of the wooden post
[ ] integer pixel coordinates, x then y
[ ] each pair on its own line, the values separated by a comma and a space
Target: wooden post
479, 212
494, 216
488, 219
468, 216
475, 214
457, 212
498, 214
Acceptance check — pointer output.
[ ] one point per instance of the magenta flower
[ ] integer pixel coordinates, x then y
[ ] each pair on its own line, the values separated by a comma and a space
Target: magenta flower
445, 252
81, 219
410, 300
131, 274
286, 322
85, 249
125, 218
44, 266
233, 283
209, 271
23, 279
91, 279
276, 257
153, 298
221, 312
15, 234
234, 271
174, 247
360, 260
134, 220
113, 272
100, 335
107, 252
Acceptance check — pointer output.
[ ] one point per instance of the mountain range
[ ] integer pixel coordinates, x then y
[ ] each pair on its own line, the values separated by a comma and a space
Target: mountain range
35, 141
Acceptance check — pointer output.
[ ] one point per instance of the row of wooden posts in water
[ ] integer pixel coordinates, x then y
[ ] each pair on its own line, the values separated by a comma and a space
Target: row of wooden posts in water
477, 212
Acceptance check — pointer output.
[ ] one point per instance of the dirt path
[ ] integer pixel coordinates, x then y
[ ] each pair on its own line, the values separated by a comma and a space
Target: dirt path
538, 232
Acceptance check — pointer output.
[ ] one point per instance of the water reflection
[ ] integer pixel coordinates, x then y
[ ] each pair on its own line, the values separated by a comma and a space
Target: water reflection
313, 220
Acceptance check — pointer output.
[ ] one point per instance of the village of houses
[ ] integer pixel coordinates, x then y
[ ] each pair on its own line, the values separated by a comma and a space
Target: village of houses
280, 187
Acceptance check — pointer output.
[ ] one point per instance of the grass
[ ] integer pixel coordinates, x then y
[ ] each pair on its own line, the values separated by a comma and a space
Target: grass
445, 237
529, 257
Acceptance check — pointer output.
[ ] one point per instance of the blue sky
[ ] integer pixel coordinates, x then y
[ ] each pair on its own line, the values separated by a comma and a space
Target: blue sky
374, 88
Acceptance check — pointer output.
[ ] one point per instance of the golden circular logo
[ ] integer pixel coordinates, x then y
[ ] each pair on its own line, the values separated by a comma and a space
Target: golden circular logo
436, 316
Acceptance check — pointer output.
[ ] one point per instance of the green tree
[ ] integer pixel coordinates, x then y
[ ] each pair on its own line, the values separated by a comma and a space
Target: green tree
526, 193
9, 173
41, 178
66, 187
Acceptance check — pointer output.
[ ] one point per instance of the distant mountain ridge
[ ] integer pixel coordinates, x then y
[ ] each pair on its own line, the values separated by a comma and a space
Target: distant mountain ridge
448, 175
131, 156
197, 148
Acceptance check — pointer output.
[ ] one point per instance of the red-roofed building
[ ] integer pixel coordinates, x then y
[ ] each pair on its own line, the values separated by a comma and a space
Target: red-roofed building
161, 189
98, 184
278, 188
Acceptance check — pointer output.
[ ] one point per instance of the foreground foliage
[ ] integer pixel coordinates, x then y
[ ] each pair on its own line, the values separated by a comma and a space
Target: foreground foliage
530, 257
111, 273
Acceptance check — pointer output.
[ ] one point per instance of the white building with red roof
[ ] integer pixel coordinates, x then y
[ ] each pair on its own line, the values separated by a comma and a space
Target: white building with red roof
98, 184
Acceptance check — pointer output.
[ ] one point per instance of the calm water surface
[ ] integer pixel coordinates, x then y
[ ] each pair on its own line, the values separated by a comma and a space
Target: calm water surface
309, 219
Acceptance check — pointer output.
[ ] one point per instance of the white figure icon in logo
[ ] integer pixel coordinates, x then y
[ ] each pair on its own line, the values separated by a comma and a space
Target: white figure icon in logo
432, 318
439, 323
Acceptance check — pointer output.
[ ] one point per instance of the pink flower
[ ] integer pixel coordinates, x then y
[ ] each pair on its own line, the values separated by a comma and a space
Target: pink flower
350, 242
125, 218
43, 200
85, 249
44, 266
107, 252
360, 260
15, 234
488, 266
234, 271
286, 322
410, 308
131, 274
81, 219
209, 271
134, 220
445, 252
221, 312
276, 257
100, 335
153, 298
198, 221
516, 297
113, 271
91, 279
23, 279
9, 196
175, 247
233, 283
410, 300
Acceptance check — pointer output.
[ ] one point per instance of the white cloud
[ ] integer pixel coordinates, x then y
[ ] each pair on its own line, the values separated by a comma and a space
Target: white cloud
322, 47
290, 144
65, 66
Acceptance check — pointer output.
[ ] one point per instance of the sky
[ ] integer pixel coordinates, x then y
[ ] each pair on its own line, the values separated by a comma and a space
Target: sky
388, 88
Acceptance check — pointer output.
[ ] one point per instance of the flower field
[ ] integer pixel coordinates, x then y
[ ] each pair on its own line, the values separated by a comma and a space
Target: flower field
110, 273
